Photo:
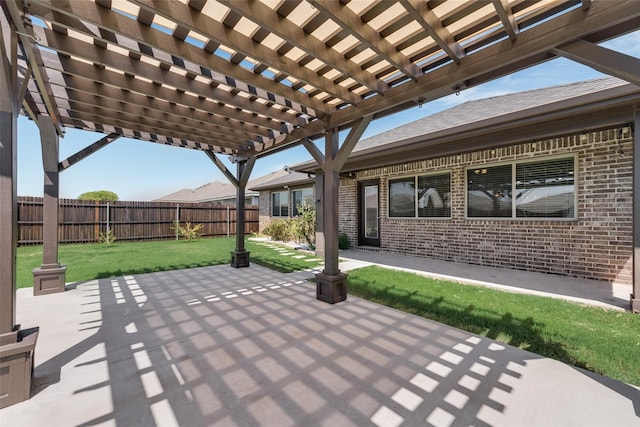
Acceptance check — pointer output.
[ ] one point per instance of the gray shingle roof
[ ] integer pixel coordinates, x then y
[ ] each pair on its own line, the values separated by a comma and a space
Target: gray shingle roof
293, 178
217, 190
484, 109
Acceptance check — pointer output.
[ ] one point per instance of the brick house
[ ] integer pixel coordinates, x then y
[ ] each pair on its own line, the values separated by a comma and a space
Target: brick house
281, 196
539, 180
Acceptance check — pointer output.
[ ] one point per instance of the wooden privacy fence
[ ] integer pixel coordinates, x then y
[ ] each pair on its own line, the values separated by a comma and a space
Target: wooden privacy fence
82, 221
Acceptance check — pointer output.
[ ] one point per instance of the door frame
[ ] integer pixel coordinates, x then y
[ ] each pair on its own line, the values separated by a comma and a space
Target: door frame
362, 240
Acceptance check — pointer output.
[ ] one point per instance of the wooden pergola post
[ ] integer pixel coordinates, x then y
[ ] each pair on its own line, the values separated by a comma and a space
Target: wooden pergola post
16, 345
50, 276
239, 256
331, 283
8, 198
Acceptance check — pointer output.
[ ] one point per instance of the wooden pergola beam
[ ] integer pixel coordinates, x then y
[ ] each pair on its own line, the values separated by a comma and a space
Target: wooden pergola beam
87, 151
112, 80
28, 40
352, 23
169, 116
431, 23
602, 59
495, 61
134, 67
152, 127
295, 35
214, 30
223, 168
503, 8
113, 25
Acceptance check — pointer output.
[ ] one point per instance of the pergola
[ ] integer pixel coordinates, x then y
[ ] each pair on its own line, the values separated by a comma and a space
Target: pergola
246, 78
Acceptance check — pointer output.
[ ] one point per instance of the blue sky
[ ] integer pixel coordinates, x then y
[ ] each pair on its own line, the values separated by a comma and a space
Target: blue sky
139, 170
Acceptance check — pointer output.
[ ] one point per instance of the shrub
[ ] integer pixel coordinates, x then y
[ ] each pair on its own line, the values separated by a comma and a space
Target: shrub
107, 238
187, 231
304, 225
343, 241
279, 229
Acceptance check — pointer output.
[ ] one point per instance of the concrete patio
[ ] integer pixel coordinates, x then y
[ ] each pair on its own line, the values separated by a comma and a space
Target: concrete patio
248, 347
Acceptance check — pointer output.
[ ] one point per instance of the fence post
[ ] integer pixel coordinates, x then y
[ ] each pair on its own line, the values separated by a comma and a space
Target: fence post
177, 223
96, 215
108, 218
228, 221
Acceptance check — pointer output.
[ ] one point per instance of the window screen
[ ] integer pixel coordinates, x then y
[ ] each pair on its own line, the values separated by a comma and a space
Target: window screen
545, 189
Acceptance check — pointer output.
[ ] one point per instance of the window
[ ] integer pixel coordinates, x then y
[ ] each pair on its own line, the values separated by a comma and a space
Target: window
434, 196
402, 197
280, 203
545, 189
303, 197
426, 196
539, 189
489, 192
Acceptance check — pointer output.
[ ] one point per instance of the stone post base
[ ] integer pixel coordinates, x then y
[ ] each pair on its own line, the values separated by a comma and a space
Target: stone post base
331, 288
49, 279
16, 368
240, 259
635, 304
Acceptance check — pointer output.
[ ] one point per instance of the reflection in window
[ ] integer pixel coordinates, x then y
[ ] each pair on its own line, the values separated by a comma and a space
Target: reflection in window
489, 191
429, 196
434, 196
402, 194
303, 197
542, 189
545, 189
371, 211
280, 203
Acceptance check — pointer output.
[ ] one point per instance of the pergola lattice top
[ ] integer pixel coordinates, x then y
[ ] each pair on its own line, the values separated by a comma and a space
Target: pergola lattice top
249, 77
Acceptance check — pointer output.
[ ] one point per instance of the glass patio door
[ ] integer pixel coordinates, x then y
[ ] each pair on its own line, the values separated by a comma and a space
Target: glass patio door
368, 217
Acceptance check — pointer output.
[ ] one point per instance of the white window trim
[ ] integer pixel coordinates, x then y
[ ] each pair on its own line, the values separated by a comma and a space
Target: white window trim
513, 163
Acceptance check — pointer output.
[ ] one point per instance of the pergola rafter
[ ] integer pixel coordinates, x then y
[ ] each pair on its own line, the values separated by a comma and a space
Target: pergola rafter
208, 27
261, 76
108, 27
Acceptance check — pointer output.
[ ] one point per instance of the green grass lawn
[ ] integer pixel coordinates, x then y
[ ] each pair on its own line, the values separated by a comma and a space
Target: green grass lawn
603, 341
96, 261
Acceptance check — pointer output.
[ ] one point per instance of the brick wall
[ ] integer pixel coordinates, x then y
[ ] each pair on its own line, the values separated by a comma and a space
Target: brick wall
265, 204
598, 245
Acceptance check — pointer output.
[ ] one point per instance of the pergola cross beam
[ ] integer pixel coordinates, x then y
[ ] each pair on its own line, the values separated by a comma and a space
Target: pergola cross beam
602, 59
87, 151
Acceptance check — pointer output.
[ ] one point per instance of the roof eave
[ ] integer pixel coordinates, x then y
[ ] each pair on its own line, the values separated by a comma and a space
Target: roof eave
509, 126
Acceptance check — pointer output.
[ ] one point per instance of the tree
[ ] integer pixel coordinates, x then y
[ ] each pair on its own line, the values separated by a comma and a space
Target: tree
101, 195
